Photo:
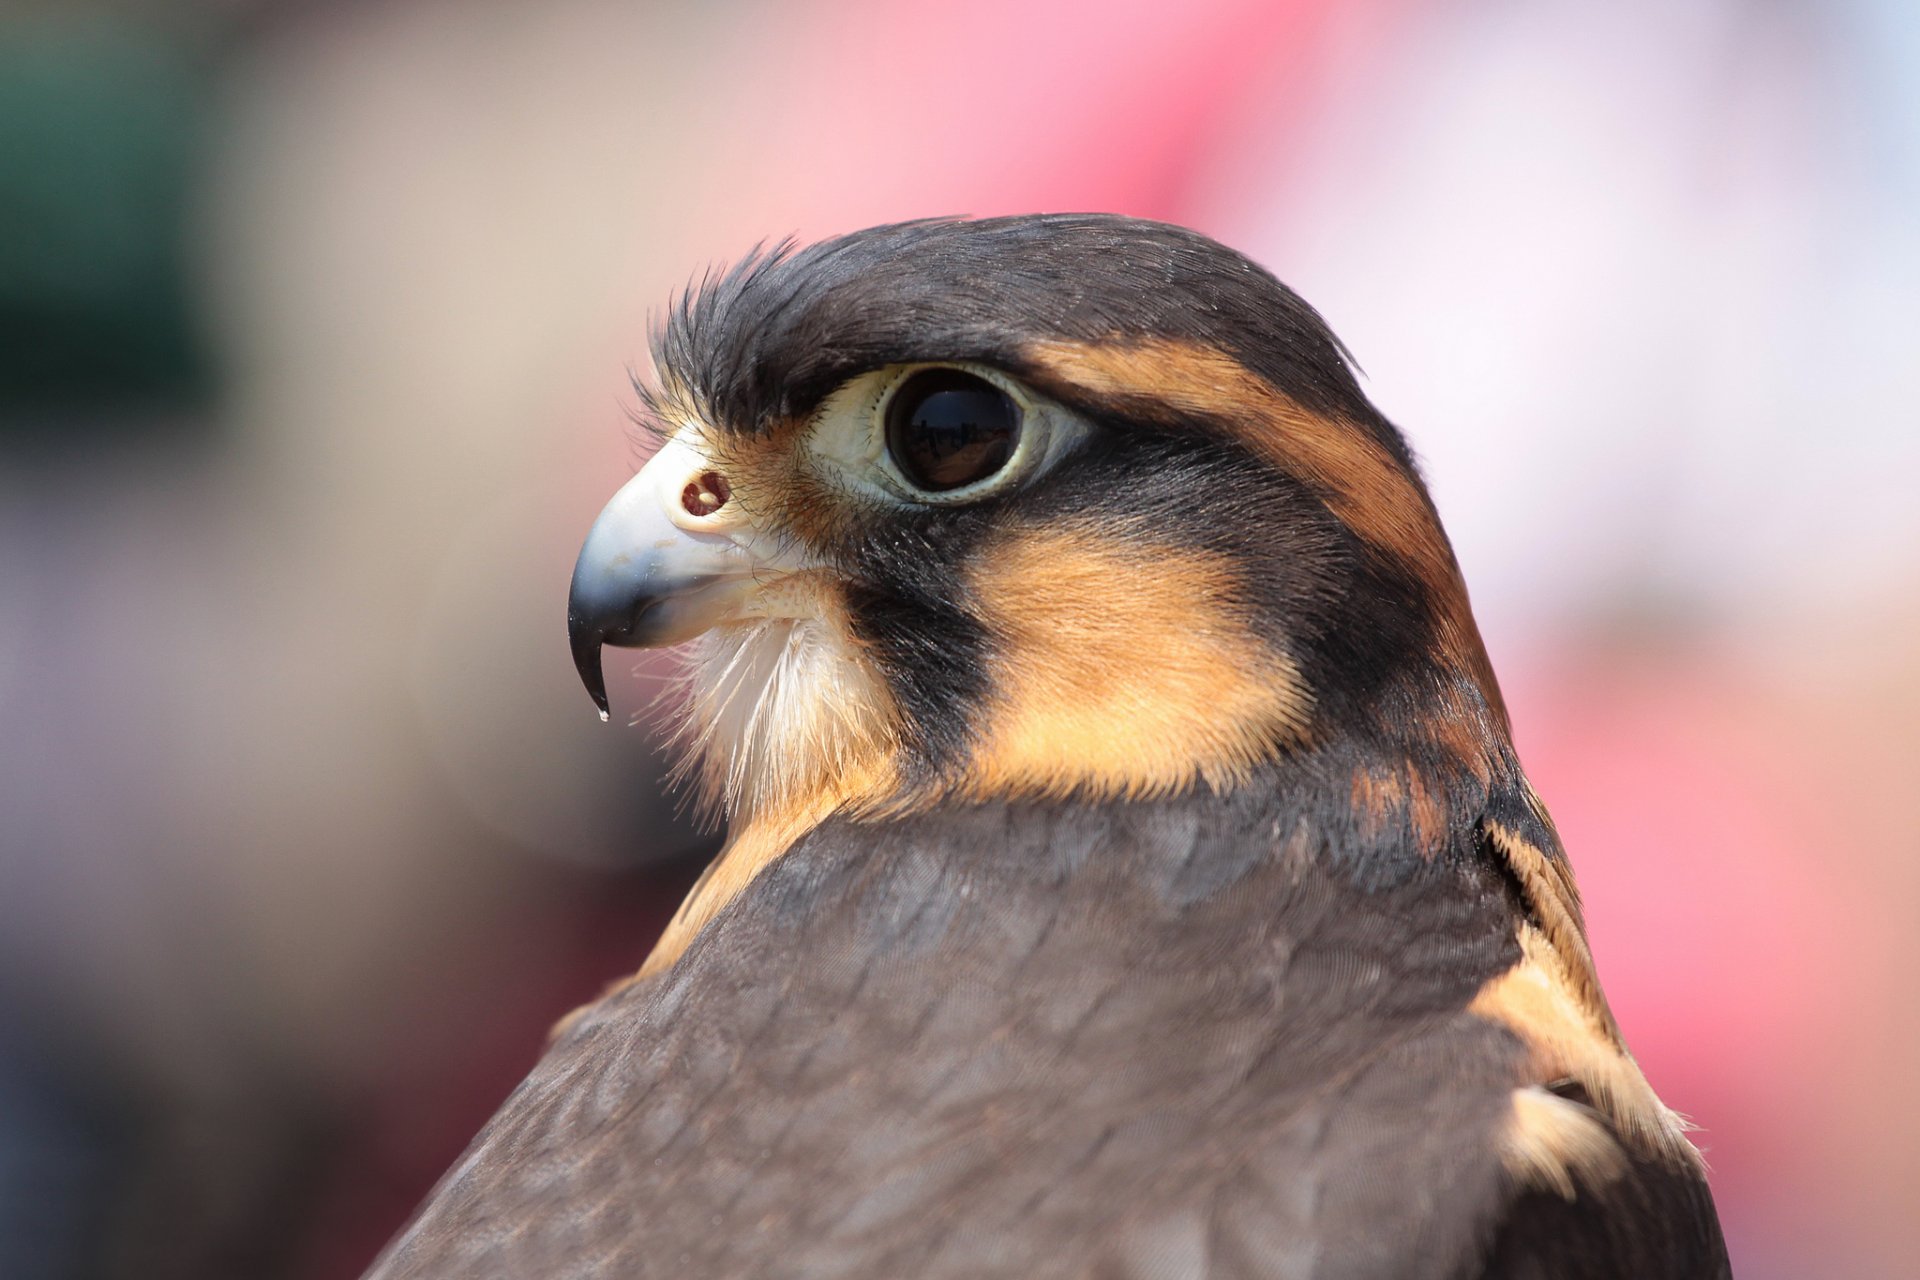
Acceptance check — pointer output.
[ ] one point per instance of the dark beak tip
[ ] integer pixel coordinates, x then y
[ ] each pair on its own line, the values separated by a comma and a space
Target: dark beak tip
585, 639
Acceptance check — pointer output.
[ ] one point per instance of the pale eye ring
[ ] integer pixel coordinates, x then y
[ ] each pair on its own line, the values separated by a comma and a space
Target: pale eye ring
947, 429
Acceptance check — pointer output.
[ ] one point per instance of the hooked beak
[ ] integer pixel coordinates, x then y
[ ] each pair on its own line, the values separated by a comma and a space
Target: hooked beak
669, 557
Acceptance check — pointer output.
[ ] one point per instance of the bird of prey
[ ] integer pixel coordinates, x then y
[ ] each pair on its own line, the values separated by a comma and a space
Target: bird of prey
1130, 873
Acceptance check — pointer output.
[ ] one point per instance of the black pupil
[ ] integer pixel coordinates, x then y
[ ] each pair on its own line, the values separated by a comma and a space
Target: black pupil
947, 428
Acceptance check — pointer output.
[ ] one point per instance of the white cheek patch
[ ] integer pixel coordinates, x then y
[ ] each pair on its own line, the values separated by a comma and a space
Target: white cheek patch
780, 710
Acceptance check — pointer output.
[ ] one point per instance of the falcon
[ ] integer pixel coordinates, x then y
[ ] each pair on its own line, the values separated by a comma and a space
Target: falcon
1130, 873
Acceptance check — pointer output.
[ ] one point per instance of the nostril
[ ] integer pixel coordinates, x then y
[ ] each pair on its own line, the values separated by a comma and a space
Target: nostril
705, 494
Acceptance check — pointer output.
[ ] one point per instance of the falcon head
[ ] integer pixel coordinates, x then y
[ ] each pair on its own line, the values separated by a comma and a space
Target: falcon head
1044, 506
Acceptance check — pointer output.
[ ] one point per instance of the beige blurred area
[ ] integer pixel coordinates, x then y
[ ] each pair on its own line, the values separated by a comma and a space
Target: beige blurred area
307, 830
299, 754
429, 249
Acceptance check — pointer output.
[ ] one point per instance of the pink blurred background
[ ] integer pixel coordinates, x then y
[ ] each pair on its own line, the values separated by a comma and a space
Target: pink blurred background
315, 331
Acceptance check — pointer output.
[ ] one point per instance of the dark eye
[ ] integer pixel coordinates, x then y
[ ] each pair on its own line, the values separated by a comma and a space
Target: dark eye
947, 428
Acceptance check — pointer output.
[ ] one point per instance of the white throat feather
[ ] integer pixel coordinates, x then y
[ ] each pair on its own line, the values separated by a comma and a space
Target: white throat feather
781, 710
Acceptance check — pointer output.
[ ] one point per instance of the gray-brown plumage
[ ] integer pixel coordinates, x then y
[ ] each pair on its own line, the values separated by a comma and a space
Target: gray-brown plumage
1130, 871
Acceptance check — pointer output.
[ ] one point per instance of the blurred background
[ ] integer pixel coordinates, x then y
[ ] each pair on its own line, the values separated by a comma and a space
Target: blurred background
316, 324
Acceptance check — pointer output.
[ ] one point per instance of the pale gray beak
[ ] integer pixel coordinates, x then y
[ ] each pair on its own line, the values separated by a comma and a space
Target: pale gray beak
661, 564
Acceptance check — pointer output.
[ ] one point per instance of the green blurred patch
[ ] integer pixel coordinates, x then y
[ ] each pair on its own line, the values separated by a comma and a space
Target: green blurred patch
101, 133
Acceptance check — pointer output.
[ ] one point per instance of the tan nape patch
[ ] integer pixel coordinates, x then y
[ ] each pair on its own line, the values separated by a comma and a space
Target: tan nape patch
1385, 799
1360, 481
1426, 810
1568, 1039
1554, 1144
1122, 667
1379, 798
